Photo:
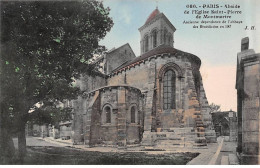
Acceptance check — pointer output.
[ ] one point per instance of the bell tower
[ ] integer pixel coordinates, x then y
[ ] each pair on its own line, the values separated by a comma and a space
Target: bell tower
156, 31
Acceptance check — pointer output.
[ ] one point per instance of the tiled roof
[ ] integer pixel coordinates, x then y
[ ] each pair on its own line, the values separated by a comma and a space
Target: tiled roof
162, 49
158, 50
152, 15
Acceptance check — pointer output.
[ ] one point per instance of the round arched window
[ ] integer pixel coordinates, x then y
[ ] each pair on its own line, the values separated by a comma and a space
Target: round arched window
108, 114
169, 84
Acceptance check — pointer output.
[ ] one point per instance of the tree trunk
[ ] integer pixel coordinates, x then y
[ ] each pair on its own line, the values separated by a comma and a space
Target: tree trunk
7, 149
21, 142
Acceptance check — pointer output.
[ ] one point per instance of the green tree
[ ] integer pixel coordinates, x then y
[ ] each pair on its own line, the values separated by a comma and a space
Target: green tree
214, 108
44, 46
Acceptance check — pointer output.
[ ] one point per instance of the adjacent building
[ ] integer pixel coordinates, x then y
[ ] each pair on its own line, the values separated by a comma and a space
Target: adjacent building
248, 88
225, 124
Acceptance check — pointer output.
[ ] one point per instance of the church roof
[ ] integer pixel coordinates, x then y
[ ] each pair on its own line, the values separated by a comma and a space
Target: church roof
158, 50
157, 14
152, 15
162, 49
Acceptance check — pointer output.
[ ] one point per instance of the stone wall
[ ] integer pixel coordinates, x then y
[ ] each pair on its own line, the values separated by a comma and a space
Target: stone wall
232, 126
120, 131
65, 131
87, 83
248, 88
91, 81
146, 77
250, 108
117, 57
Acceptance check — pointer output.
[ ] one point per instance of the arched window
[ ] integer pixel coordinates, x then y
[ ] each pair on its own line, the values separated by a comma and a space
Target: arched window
169, 39
146, 43
169, 84
108, 114
154, 34
165, 36
133, 114
139, 117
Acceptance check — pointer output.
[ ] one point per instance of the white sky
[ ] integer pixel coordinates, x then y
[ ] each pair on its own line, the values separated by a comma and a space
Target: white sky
217, 48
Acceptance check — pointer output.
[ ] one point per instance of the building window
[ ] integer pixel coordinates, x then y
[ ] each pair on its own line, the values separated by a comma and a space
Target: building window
146, 44
169, 39
108, 114
169, 84
133, 114
139, 117
154, 34
165, 36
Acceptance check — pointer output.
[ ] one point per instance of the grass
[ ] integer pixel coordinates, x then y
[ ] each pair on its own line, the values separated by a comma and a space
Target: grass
68, 156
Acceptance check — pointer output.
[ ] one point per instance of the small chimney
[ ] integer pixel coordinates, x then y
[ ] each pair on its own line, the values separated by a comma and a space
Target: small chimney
244, 43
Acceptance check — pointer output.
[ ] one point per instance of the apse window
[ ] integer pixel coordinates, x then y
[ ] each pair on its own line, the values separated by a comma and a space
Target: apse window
169, 40
165, 35
108, 114
154, 38
146, 43
169, 90
132, 114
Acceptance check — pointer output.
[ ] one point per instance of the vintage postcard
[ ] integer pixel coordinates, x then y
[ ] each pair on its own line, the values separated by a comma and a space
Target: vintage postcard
130, 82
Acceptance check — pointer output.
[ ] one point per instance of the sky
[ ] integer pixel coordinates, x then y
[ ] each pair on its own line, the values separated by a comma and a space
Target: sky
217, 48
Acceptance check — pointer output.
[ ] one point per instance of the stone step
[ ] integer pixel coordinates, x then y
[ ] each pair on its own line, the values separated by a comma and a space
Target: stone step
197, 113
180, 129
199, 144
200, 140
170, 143
211, 139
207, 133
176, 144
182, 140
201, 128
198, 119
200, 133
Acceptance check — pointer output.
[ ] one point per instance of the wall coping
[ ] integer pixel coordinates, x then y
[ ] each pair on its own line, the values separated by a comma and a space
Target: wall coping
91, 93
178, 53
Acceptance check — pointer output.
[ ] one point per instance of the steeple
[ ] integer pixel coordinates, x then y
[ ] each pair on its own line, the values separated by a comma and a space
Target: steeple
157, 30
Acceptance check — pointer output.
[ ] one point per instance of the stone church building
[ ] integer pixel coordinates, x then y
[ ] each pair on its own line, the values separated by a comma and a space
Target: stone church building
156, 98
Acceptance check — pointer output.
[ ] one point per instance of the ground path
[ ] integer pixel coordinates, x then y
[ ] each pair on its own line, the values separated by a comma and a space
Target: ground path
214, 153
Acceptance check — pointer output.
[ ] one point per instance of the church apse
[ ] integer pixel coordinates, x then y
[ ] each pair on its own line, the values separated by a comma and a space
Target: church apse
113, 116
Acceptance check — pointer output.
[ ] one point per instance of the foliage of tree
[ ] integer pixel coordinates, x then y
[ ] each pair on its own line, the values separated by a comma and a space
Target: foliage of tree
45, 45
50, 113
214, 108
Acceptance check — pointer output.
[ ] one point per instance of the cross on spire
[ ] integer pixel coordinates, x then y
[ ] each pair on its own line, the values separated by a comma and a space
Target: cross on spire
156, 4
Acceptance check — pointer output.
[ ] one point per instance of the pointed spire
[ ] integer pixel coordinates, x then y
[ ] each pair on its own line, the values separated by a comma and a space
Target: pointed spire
156, 4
